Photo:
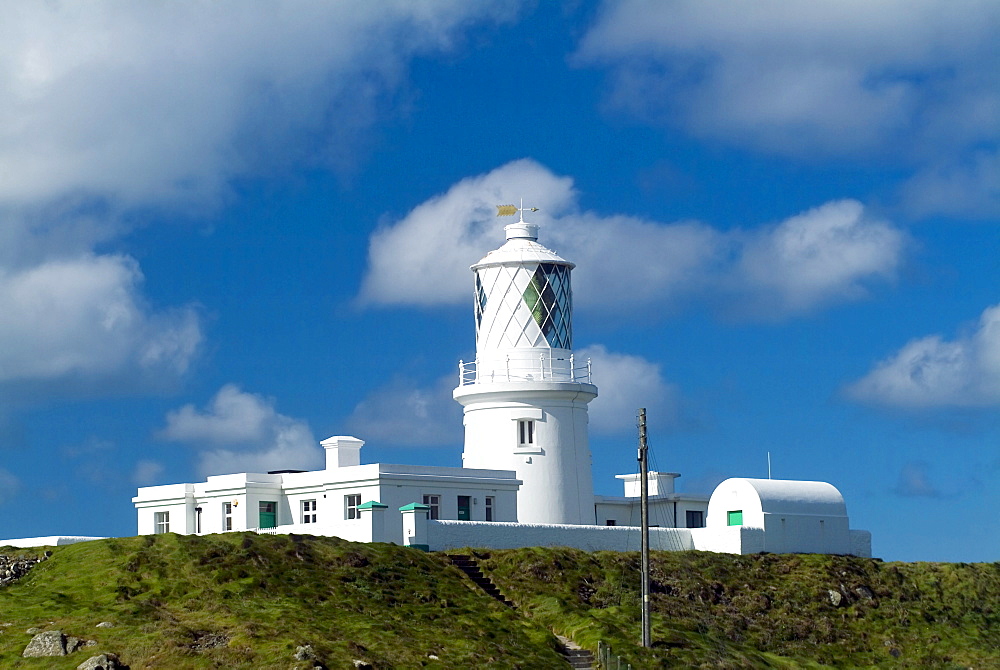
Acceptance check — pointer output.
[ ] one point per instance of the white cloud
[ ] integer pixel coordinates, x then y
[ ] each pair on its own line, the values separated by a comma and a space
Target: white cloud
625, 383
84, 318
934, 372
825, 255
242, 432
907, 81
113, 110
162, 101
405, 414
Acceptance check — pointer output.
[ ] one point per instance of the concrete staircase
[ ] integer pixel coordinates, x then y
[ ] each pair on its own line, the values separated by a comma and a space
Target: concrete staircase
574, 655
468, 565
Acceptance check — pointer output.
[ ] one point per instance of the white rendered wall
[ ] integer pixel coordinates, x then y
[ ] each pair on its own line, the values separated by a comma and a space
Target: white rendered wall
557, 484
443, 535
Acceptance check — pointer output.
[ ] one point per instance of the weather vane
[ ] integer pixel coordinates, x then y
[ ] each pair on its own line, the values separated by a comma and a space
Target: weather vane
511, 210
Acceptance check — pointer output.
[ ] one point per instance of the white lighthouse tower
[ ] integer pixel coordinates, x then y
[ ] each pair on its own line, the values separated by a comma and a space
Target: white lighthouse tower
526, 395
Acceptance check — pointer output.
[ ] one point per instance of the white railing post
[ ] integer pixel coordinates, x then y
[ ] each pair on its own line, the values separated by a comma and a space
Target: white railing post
461, 372
572, 367
589, 381
508, 366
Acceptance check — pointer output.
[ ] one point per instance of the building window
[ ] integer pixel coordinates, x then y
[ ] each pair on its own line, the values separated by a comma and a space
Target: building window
197, 520
351, 502
434, 502
695, 518
610, 522
489, 508
308, 511
227, 516
162, 522
735, 518
525, 433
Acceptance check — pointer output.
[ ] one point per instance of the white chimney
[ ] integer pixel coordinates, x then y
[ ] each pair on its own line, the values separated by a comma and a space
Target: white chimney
342, 451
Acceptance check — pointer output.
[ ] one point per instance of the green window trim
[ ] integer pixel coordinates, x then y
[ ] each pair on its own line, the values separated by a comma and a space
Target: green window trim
735, 518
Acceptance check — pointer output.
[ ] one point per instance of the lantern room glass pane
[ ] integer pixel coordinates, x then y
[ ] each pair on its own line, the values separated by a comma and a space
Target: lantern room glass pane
549, 298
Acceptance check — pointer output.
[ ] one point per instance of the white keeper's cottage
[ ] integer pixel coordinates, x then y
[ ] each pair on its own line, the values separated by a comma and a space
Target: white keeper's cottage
526, 467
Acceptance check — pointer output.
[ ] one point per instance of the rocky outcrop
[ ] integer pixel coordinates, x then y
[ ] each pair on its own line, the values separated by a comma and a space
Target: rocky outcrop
103, 662
54, 643
13, 568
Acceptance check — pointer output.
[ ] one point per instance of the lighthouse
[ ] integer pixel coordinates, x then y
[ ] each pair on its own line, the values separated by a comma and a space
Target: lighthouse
525, 396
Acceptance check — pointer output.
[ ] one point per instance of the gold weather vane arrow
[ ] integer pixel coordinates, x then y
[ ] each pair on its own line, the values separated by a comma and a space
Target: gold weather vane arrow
511, 210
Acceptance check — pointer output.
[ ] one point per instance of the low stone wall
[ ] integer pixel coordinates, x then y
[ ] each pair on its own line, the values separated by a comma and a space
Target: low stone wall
446, 535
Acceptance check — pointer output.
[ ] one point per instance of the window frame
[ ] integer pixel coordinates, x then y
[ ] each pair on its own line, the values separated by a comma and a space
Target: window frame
489, 507
734, 517
525, 432
307, 511
161, 522
227, 516
433, 501
351, 503
688, 514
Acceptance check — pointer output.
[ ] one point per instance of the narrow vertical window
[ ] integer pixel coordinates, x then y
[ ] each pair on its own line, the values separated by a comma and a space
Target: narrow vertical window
197, 525
434, 502
227, 516
162, 522
489, 508
351, 502
525, 432
308, 511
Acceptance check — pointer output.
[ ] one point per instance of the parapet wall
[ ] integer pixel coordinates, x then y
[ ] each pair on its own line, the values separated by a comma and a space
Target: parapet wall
445, 535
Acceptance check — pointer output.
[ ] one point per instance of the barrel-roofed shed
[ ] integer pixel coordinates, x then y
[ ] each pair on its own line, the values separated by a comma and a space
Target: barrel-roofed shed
797, 516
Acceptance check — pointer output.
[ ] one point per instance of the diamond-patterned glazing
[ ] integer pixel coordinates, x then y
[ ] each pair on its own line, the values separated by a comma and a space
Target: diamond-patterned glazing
480, 301
549, 299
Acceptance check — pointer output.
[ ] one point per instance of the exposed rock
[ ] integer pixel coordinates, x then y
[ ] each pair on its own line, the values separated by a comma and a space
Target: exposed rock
362, 665
13, 568
836, 597
103, 662
105, 624
305, 653
864, 592
33, 631
48, 643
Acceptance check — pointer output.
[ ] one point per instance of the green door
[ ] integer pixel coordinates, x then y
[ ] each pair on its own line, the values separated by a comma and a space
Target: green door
736, 518
464, 509
268, 514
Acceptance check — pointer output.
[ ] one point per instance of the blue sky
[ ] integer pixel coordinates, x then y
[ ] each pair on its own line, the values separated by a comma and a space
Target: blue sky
231, 230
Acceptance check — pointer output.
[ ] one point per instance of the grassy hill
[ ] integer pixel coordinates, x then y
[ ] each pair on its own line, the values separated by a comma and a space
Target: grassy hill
249, 601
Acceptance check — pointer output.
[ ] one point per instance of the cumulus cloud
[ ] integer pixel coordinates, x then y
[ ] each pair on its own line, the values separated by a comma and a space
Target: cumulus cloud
626, 383
153, 102
935, 372
114, 110
84, 317
242, 432
405, 414
825, 255
821, 78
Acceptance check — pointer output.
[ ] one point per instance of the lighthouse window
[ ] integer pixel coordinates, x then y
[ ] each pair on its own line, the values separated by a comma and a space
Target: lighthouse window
549, 297
525, 432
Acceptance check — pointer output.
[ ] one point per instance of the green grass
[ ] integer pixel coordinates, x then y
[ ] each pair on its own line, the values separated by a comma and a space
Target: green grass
762, 611
247, 601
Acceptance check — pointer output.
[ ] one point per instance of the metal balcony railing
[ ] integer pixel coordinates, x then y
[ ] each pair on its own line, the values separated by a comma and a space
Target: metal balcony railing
546, 368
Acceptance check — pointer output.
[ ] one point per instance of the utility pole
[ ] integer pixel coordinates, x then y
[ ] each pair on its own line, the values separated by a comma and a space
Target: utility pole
647, 635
